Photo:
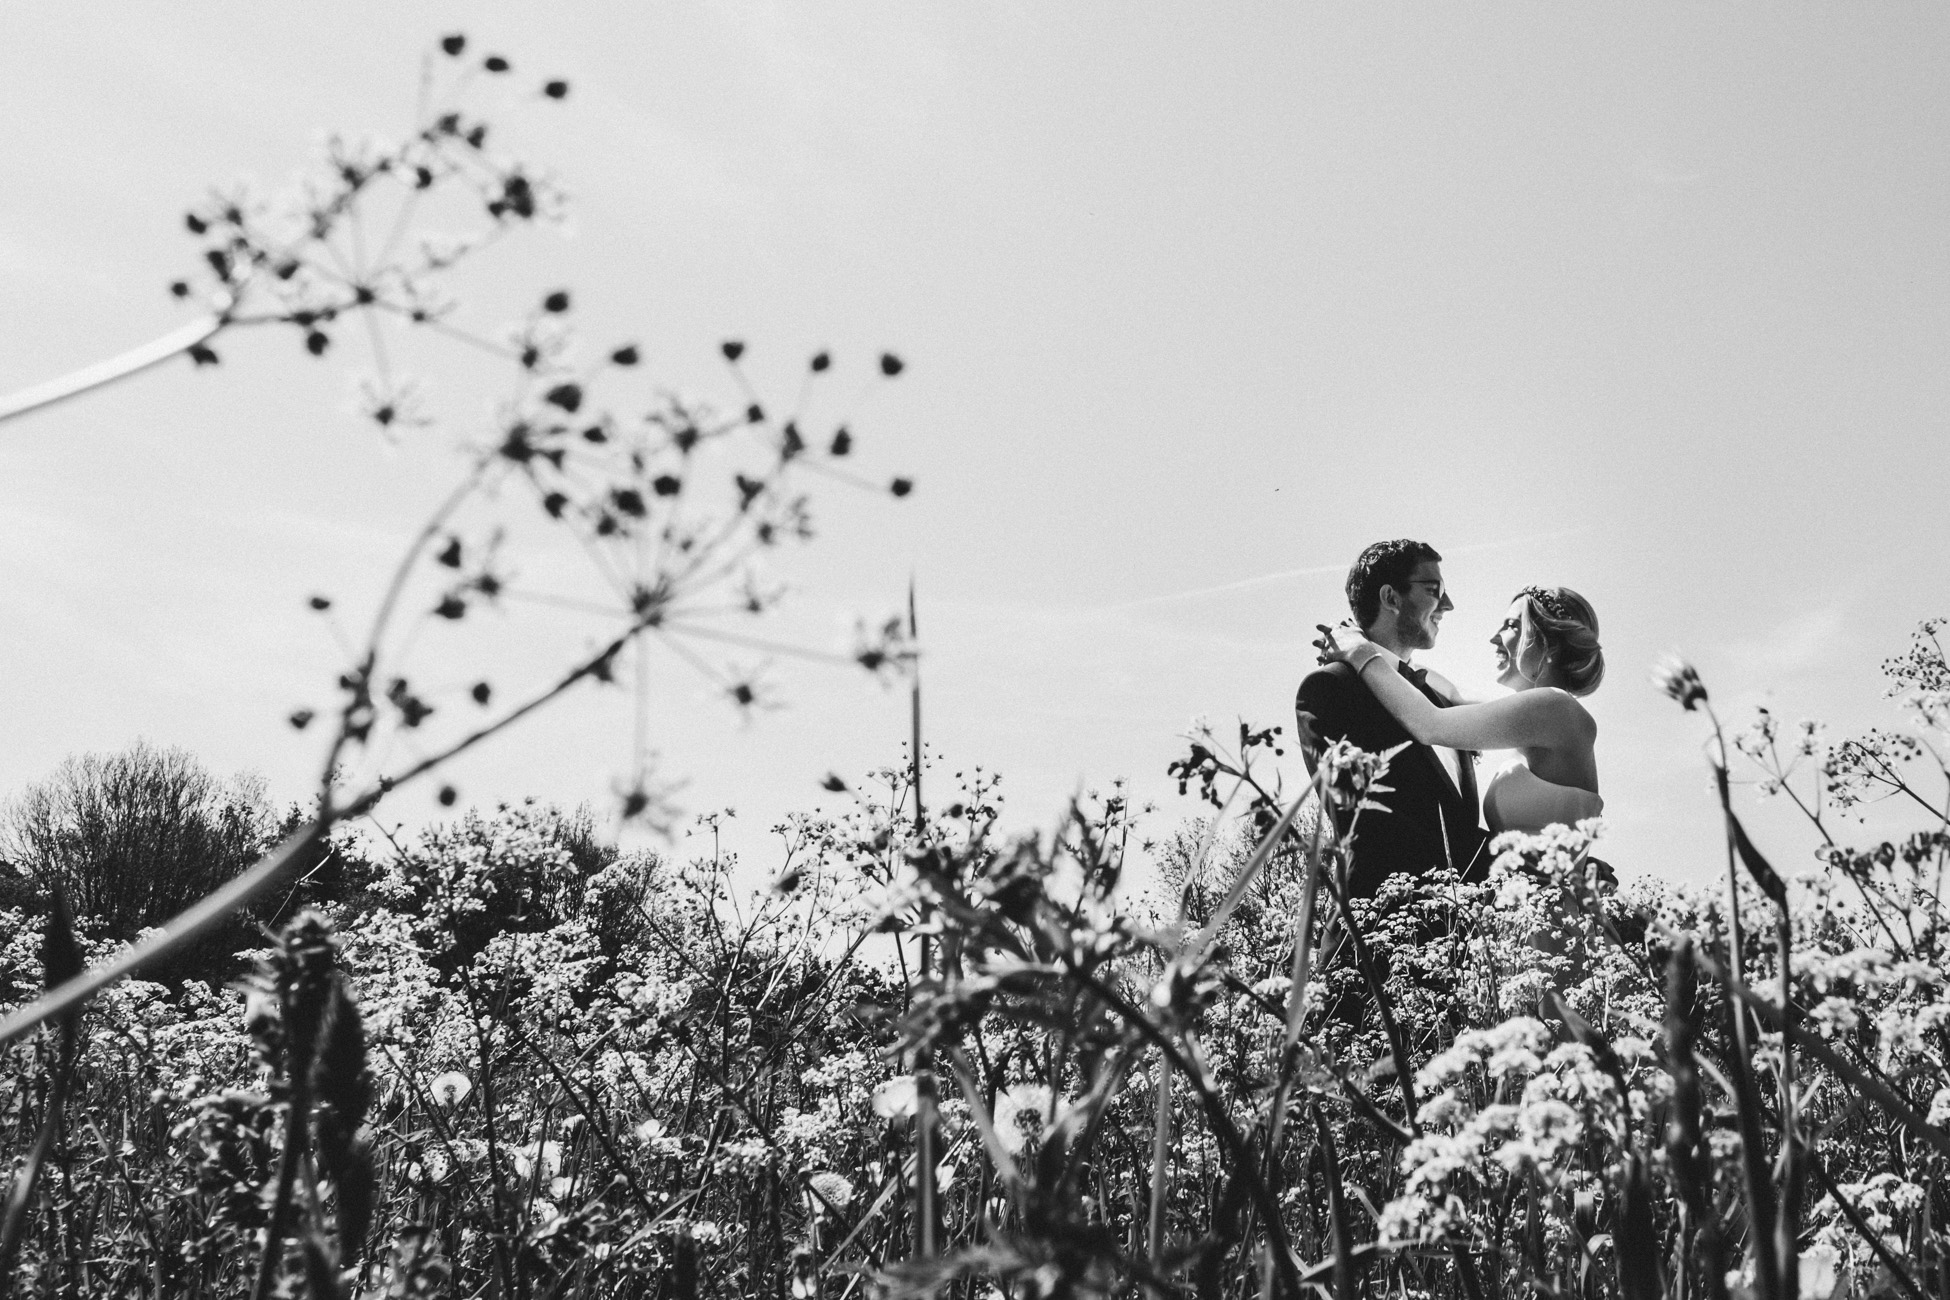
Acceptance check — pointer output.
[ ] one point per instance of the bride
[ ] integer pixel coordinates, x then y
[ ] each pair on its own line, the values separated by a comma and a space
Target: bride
1547, 653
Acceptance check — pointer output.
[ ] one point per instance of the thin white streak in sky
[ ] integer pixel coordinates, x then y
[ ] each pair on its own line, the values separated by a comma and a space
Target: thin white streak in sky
1241, 585
1318, 569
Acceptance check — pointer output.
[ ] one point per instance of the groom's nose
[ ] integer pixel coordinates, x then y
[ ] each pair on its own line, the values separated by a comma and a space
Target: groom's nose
1445, 604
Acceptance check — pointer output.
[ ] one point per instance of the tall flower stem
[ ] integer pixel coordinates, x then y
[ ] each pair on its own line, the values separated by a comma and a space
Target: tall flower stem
103, 373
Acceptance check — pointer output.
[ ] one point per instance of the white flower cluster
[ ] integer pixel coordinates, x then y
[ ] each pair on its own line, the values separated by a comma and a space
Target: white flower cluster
1887, 1203
1500, 1102
1908, 1001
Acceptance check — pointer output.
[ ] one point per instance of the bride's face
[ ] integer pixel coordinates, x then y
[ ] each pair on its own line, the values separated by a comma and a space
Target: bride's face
1514, 643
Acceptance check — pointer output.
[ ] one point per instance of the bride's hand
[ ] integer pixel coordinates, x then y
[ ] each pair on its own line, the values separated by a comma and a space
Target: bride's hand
1343, 645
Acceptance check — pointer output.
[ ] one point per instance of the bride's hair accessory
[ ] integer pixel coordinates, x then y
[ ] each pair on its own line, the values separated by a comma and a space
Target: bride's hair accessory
1553, 603
1568, 627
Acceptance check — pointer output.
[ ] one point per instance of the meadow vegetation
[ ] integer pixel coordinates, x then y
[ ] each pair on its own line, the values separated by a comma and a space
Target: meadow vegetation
505, 1059
250, 1055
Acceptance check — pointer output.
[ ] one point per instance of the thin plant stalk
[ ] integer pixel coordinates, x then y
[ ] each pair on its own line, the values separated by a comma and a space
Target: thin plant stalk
104, 373
1689, 1156
1735, 942
60, 958
1338, 1235
1154, 1233
926, 1193
1296, 1006
1762, 1205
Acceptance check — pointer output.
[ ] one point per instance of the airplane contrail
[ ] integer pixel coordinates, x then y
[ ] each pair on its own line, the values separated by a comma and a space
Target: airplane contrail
1240, 585
1317, 570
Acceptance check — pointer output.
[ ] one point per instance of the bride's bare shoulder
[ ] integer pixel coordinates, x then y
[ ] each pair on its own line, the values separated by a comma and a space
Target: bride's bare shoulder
1570, 708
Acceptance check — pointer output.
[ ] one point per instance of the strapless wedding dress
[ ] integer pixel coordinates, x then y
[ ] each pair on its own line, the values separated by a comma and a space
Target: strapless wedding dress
1517, 799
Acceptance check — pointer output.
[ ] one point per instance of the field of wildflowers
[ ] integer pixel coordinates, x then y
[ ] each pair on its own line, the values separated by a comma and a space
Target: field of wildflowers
501, 1059
506, 1060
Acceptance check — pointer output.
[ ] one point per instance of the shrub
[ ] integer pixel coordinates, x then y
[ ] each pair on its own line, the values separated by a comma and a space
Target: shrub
135, 837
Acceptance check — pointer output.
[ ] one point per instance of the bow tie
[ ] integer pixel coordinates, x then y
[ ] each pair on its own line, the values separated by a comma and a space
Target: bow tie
1418, 677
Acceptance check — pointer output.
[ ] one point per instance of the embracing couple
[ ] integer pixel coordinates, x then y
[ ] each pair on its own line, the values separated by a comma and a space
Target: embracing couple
1370, 695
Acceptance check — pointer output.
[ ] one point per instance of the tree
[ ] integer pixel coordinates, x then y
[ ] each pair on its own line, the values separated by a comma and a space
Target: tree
137, 836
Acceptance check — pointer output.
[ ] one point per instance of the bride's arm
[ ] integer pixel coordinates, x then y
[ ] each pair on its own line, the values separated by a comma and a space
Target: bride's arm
1546, 718
1549, 719
1447, 689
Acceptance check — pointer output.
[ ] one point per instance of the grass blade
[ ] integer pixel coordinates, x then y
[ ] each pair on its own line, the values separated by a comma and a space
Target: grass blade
1338, 1235
1638, 1241
1758, 867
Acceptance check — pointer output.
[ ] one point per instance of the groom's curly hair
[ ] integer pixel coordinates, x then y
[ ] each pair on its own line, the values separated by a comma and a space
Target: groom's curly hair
1385, 564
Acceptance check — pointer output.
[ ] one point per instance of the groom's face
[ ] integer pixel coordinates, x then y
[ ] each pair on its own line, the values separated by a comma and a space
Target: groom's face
1424, 600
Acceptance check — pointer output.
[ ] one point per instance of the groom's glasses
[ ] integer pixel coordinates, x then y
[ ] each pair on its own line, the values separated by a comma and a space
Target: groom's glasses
1440, 590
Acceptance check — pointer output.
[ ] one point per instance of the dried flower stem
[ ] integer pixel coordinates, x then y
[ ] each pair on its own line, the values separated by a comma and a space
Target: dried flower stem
104, 373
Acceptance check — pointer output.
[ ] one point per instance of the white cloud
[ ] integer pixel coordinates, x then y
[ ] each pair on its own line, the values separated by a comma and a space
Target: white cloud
1799, 644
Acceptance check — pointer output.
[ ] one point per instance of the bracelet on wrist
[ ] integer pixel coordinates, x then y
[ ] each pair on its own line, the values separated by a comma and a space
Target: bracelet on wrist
1377, 654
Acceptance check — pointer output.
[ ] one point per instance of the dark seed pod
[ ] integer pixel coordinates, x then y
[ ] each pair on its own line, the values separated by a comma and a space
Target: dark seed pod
341, 1086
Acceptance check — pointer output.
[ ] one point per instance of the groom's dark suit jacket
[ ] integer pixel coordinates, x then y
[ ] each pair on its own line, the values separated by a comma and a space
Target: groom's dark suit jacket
1431, 822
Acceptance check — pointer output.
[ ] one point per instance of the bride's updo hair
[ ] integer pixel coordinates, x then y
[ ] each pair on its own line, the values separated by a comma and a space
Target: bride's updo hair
1567, 627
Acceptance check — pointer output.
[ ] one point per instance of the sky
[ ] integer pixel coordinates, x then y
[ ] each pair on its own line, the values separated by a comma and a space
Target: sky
1648, 300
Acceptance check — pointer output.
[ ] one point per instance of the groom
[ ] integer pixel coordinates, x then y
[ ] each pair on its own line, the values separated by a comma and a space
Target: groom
1398, 597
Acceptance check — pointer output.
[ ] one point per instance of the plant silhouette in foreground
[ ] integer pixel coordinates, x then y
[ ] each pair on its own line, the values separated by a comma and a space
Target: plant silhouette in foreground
669, 505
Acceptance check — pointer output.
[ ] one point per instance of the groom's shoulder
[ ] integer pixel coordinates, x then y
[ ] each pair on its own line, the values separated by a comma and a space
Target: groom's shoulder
1335, 671
1330, 681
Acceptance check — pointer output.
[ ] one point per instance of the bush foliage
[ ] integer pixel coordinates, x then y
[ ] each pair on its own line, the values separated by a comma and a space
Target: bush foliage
932, 1061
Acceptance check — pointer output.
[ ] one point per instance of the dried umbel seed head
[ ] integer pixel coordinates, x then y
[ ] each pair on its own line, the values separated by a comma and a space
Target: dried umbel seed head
301, 972
1679, 680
